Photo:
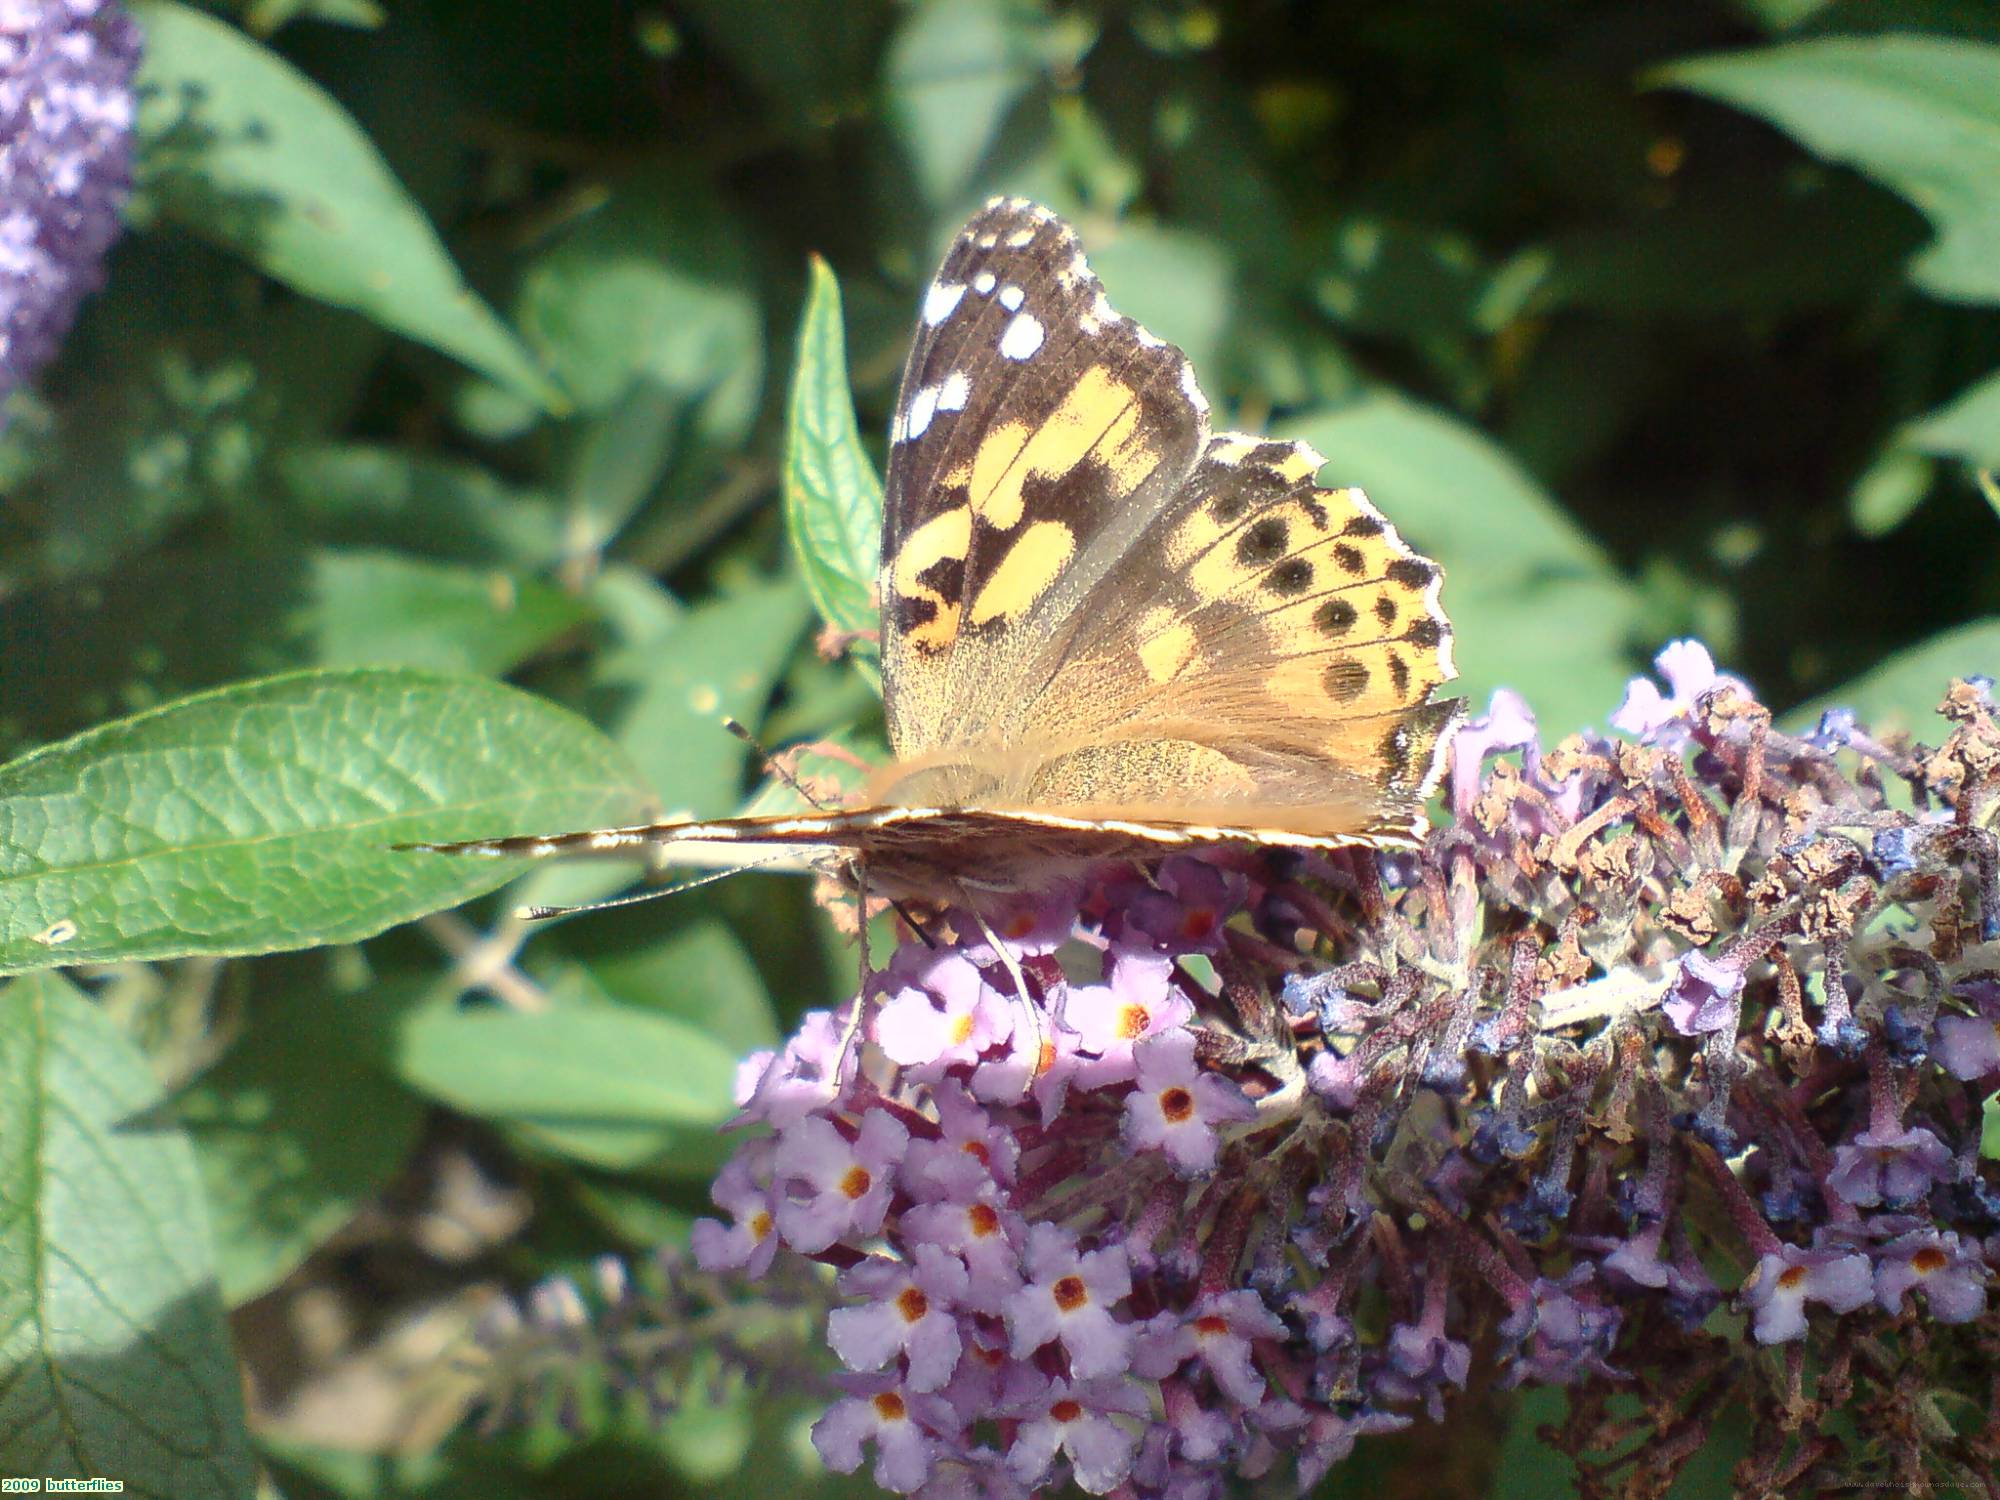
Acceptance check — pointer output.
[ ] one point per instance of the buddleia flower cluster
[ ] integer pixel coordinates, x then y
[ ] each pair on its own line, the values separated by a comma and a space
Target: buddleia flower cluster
1657, 1072
66, 113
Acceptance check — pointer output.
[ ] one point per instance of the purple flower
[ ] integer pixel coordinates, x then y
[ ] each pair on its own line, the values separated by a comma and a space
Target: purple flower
1785, 1280
953, 1016
807, 1076
1217, 1333
1177, 1107
909, 1312
1704, 995
1562, 1332
750, 1242
1188, 908
903, 1425
985, 1235
66, 111
1889, 1167
835, 1187
1140, 1000
1658, 718
1968, 1046
1069, 1299
1080, 1419
1507, 724
972, 1151
1946, 1269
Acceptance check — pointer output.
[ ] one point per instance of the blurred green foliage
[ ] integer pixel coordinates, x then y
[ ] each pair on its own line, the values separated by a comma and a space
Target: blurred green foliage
486, 340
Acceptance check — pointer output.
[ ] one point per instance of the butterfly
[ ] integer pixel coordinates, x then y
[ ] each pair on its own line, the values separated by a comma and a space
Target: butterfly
1107, 632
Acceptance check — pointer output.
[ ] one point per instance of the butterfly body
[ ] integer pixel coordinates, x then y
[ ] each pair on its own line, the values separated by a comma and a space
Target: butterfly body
1107, 632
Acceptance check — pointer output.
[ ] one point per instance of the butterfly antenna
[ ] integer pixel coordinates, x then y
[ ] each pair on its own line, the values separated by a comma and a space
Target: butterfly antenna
612, 903
771, 763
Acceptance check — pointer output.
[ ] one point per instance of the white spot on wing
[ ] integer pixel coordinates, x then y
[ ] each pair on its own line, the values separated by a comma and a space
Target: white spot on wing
952, 394
940, 300
1191, 388
1020, 239
983, 283
1022, 338
1011, 298
923, 406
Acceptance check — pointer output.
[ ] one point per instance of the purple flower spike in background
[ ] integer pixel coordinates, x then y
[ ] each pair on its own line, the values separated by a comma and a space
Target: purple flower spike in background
66, 113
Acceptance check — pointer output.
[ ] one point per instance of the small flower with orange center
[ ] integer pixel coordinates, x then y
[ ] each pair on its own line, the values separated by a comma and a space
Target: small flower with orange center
1177, 1108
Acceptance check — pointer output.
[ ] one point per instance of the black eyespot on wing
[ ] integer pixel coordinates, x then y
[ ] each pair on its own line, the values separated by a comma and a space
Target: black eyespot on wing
1385, 610
1425, 633
1345, 680
1349, 558
1362, 526
1399, 673
1335, 617
1263, 541
1292, 576
1412, 572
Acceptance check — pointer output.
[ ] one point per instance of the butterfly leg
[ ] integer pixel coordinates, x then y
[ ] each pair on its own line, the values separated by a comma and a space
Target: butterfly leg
1023, 999
850, 1037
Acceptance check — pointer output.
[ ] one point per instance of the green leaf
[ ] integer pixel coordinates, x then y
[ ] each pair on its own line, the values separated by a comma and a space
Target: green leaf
299, 1122
833, 501
1904, 691
259, 817
719, 659
953, 70
1989, 1127
697, 972
1177, 284
368, 495
379, 609
1967, 427
1888, 491
1919, 114
602, 1082
115, 1359
1534, 604
240, 147
653, 285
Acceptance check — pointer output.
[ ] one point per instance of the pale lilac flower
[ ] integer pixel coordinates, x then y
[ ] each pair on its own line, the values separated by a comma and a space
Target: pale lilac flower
836, 1188
986, 1235
808, 1075
1704, 995
908, 1312
1069, 1300
1777, 1292
903, 1424
970, 1152
1968, 1047
66, 111
1690, 671
1079, 1419
1187, 909
1945, 1268
953, 1016
1140, 1000
1217, 1333
1507, 724
1176, 1107
1889, 1167
1562, 1332
750, 1241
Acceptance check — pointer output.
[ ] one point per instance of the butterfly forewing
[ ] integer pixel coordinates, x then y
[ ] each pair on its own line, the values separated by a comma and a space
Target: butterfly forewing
1037, 435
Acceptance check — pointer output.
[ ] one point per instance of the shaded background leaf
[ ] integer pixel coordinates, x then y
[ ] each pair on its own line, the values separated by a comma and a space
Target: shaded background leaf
115, 1361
